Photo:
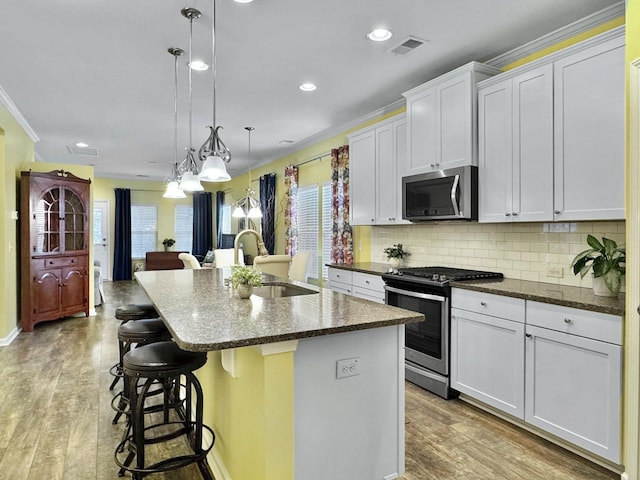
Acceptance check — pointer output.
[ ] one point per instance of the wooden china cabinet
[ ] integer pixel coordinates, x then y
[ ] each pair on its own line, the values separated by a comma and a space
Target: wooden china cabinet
54, 210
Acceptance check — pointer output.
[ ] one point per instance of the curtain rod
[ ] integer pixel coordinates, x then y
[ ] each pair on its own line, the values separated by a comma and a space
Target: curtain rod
319, 157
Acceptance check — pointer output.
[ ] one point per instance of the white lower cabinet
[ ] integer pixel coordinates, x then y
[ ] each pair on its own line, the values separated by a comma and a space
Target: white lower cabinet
487, 351
358, 284
560, 371
573, 383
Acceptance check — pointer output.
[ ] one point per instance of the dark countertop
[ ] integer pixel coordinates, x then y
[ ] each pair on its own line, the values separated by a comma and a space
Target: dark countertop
363, 267
566, 296
202, 314
563, 295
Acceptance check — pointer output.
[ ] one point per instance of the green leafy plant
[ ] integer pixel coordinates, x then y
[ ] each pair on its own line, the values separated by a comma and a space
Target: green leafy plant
606, 259
168, 242
241, 275
396, 251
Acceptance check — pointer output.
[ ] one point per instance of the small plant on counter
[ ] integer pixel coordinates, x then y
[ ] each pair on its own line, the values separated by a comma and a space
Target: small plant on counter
241, 275
168, 242
606, 259
396, 251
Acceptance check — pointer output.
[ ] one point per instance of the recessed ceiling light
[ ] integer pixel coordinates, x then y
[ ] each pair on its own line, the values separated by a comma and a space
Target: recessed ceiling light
198, 65
307, 87
82, 145
286, 142
243, 1
379, 35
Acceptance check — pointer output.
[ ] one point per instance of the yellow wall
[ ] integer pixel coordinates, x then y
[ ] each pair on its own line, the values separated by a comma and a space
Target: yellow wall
252, 414
16, 148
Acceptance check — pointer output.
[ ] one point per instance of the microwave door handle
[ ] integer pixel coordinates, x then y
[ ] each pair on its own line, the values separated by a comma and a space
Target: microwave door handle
409, 293
454, 190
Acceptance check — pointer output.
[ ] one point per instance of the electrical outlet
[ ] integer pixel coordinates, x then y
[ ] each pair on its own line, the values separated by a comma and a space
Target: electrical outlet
554, 271
349, 367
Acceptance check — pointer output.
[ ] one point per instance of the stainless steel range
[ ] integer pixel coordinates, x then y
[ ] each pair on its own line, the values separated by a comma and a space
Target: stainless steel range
427, 290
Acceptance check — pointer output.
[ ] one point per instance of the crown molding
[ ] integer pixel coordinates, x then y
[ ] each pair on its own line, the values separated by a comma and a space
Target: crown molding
580, 26
17, 115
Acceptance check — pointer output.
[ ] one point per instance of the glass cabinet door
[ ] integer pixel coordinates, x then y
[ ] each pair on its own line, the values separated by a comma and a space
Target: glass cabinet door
47, 222
74, 221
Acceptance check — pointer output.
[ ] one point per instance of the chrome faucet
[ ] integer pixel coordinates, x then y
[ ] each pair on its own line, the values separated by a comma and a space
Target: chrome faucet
261, 248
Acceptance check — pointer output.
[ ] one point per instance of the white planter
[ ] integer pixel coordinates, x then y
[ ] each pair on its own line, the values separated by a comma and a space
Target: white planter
600, 288
394, 263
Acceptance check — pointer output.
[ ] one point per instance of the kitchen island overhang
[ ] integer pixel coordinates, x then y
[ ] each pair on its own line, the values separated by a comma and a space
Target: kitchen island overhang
271, 382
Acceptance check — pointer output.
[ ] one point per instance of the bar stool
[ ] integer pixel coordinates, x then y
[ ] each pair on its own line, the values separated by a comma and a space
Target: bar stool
136, 311
164, 362
139, 332
126, 313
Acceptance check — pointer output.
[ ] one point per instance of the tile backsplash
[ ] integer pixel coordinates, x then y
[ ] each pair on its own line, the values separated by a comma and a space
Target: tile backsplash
525, 251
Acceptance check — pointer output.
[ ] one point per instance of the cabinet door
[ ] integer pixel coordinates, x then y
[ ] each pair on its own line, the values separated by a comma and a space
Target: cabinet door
573, 389
495, 150
589, 133
421, 132
402, 164
487, 360
46, 294
362, 185
533, 146
386, 185
73, 289
453, 123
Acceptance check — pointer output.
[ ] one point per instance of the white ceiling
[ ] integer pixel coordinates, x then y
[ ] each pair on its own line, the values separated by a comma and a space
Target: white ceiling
98, 71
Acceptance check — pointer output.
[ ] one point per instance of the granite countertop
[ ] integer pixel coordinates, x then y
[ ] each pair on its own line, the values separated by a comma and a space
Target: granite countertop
563, 295
567, 296
363, 267
202, 314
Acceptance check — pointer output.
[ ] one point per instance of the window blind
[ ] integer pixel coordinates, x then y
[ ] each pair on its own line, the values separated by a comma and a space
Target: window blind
183, 228
326, 228
144, 230
308, 225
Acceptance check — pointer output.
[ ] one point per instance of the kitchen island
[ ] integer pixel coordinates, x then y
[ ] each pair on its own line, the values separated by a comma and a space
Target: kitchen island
309, 386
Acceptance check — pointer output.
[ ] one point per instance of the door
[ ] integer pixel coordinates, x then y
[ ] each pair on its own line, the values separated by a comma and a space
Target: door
101, 236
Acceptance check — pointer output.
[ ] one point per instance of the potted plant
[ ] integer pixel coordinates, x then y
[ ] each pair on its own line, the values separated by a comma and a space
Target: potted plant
607, 260
395, 254
168, 243
244, 279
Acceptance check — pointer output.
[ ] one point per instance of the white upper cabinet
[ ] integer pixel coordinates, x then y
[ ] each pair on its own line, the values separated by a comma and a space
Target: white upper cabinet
589, 133
441, 120
551, 136
516, 148
377, 158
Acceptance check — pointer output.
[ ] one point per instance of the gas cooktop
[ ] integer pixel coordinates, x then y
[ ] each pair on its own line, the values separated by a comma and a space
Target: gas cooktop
439, 275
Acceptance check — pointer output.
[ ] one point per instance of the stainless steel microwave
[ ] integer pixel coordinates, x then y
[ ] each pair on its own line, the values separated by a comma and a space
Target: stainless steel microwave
441, 195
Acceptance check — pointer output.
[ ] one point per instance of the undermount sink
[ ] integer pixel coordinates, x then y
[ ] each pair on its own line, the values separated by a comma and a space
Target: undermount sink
280, 289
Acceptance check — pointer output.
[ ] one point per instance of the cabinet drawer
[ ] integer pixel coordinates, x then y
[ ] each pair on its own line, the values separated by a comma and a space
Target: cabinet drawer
599, 326
340, 287
488, 304
59, 262
366, 280
339, 275
368, 294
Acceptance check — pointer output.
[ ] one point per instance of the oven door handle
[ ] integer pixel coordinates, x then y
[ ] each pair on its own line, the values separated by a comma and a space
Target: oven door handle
454, 190
408, 293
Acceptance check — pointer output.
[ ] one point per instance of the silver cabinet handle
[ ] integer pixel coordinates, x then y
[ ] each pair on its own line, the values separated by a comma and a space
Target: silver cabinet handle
484, 304
515, 214
557, 212
528, 335
567, 320
367, 282
507, 214
433, 165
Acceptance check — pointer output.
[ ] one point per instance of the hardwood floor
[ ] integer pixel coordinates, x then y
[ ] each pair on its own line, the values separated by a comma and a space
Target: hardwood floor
55, 413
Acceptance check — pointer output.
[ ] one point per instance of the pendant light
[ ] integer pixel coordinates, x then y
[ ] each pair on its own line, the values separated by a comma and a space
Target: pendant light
214, 153
173, 190
248, 207
188, 168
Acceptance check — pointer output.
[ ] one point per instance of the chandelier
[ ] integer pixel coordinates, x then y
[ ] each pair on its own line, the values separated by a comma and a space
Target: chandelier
248, 206
173, 180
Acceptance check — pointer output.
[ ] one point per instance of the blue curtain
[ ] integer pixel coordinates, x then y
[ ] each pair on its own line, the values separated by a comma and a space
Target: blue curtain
122, 246
268, 204
202, 224
219, 206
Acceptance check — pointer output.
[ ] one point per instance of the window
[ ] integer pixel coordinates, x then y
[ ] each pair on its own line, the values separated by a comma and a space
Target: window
183, 228
327, 228
308, 226
144, 230
226, 219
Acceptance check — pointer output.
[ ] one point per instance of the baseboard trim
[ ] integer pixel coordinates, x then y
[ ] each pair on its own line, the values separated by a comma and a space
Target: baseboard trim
6, 341
218, 468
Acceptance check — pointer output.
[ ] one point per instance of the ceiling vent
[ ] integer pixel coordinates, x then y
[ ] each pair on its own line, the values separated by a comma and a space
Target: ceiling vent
85, 151
408, 45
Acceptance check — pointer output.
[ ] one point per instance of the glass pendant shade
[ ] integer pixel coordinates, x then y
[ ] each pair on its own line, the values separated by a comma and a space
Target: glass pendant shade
173, 191
214, 170
238, 212
190, 182
255, 212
